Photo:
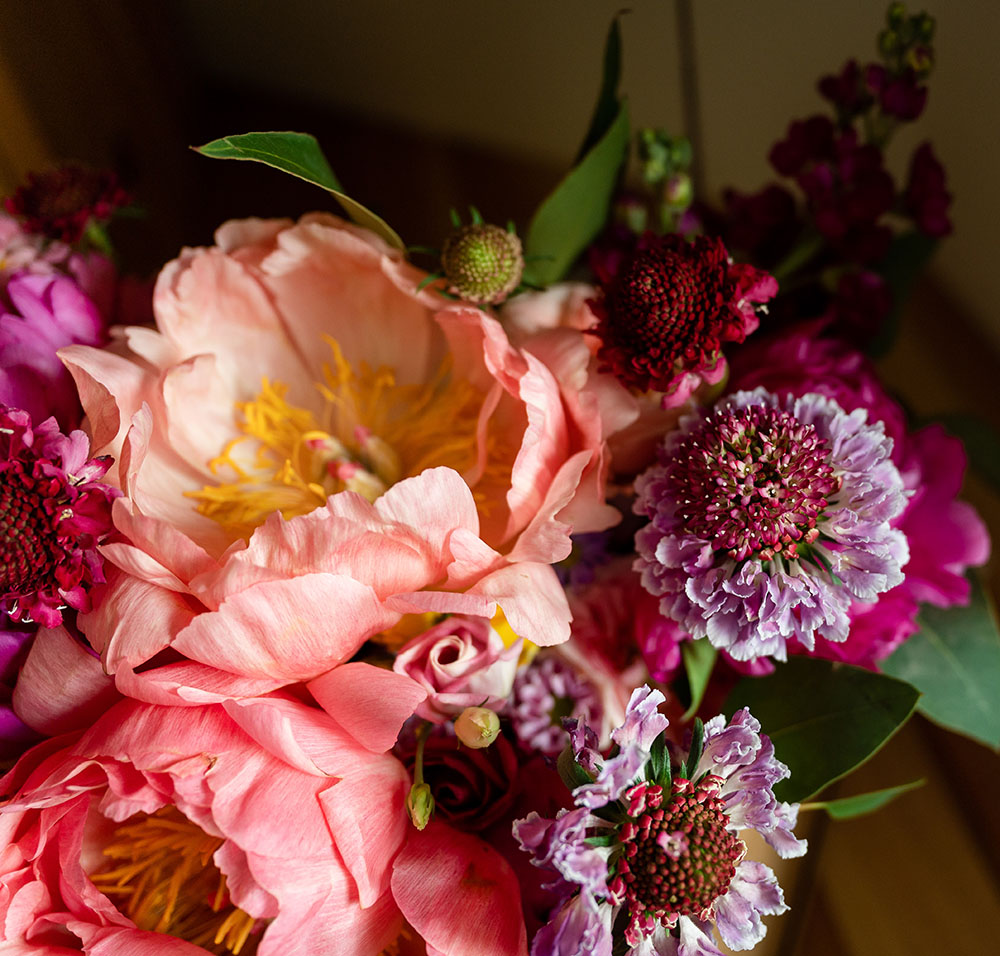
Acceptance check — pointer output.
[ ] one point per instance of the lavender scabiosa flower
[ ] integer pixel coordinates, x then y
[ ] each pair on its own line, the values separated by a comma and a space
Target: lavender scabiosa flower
653, 844
53, 514
547, 691
767, 516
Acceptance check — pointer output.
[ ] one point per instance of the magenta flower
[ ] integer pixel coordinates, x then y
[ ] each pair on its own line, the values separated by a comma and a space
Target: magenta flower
53, 514
945, 536
665, 316
658, 846
767, 517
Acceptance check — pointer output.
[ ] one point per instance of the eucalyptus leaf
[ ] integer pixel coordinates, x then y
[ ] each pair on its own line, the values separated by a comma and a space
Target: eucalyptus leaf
845, 808
824, 718
299, 155
574, 213
699, 659
954, 661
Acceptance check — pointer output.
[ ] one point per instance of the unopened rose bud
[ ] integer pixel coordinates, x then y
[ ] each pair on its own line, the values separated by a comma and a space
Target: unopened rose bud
477, 727
420, 805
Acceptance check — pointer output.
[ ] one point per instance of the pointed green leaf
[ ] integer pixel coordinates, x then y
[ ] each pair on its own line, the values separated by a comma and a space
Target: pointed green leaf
824, 719
658, 767
847, 807
954, 661
299, 155
699, 659
694, 754
607, 100
577, 209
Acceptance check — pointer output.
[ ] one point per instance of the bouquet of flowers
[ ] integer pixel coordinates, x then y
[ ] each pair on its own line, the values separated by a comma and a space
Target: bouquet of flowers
365, 598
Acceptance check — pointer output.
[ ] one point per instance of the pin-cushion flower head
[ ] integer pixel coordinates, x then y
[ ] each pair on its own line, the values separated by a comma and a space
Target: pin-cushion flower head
767, 516
666, 313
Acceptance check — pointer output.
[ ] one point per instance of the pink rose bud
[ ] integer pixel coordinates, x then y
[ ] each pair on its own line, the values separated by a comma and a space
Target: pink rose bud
461, 662
477, 727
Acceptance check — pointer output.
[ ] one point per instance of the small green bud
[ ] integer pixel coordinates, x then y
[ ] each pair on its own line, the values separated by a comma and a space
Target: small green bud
477, 727
678, 191
896, 14
483, 263
420, 805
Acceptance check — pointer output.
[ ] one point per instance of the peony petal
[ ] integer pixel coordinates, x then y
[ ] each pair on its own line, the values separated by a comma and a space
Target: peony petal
370, 703
459, 894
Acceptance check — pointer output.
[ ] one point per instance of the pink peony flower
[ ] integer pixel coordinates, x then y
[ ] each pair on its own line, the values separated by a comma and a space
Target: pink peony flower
256, 825
945, 536
461, 662
246, 469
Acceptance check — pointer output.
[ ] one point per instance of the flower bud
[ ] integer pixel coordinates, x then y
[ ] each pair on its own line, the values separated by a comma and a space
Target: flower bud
420, 805
483, 263
477, 727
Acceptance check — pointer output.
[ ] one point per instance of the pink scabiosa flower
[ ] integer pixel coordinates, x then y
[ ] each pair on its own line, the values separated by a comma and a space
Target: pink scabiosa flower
384, 441
653, 842
61, 203
767, 517
53, 514
665, 316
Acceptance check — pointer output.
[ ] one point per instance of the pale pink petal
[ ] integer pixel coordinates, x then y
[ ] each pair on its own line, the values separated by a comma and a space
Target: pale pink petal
62, 686
532, 600
295, 629
370, 703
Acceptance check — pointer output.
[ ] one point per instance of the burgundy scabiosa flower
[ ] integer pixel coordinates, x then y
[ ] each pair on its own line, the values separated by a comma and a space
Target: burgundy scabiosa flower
653, 841
53, 514
767, 516
62, 203
665, 315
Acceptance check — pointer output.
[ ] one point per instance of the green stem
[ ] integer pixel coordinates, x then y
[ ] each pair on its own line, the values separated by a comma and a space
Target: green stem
801, 253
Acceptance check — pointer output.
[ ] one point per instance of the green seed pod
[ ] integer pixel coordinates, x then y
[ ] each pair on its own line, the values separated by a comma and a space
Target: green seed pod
483, 263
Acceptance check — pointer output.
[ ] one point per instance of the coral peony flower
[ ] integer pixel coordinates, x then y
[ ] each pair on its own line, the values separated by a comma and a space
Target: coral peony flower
945, 536
767, 517
664, 318
658, 846
461, 662
246, 469
53, 514
254, 827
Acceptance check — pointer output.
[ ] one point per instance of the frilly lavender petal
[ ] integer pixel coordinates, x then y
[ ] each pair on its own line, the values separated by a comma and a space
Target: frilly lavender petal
643, 724
753, 891
561, 845
767, 517
743, 759
580, 925
53, 514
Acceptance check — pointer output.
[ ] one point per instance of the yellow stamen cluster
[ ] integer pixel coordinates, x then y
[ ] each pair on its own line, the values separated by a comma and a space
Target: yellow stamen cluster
367, 433
160, 870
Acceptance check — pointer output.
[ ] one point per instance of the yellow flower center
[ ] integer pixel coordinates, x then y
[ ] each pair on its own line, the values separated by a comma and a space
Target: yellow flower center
160, 870
369, 433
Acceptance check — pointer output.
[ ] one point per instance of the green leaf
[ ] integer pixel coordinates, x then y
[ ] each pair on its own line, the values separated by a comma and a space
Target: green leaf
982, 444
699, 659
606, 109
847, 807
954, 661
824, 719
658, 767
577, 209
299, 155
908, 254
694, 754
572, 774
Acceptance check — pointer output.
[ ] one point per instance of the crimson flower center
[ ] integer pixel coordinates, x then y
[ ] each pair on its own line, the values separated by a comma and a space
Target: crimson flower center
29, 549
753, 482
678, 856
